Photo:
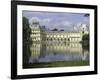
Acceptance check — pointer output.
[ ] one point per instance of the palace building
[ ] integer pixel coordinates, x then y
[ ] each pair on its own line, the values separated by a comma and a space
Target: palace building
40, 34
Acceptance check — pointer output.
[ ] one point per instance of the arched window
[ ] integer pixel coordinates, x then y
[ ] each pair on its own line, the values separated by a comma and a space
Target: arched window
68, 39
51, 39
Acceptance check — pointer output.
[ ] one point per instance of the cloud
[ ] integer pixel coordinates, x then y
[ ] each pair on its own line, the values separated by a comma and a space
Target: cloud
86, 20
34, 19
45, 21
67, 23
77, 27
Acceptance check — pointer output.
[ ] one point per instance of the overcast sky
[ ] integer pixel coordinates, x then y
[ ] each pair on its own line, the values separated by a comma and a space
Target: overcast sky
59, 20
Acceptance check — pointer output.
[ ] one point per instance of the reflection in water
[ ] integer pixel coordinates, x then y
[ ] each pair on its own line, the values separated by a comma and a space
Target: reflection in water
50, 52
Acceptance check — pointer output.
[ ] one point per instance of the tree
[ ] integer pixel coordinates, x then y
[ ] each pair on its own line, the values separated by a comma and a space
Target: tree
85, 41
26, 30
85, 37
26, 40
55, 29
61, 30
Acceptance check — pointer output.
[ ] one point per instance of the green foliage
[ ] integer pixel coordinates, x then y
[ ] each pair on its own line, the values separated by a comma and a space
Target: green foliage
55, 29
26, 40
57, 64
85, 37
61, 30
26, 30
85, 41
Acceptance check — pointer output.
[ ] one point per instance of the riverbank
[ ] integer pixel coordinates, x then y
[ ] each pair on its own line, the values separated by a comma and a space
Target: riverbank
57, 64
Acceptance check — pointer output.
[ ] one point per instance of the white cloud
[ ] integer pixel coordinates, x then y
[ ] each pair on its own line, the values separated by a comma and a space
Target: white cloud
34, 19
42, 22
64, 23
78, 24
67, 23
51, 24
46, 20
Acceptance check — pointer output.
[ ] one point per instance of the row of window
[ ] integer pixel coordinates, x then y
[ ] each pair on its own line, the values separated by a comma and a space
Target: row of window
58, 39
64, 39
63, 36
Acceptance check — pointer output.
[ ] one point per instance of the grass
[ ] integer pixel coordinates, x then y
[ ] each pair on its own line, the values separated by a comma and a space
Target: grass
57, 64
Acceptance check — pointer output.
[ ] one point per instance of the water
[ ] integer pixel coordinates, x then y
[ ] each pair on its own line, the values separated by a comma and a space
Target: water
46, 53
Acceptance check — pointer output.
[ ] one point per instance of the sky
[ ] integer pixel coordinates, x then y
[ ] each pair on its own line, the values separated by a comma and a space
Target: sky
59, 20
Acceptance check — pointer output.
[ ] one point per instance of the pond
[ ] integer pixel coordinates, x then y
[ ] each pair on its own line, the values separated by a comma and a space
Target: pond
56, 54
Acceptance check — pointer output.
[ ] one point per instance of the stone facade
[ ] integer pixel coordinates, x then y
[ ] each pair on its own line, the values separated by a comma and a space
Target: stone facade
39, 34
63, 36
